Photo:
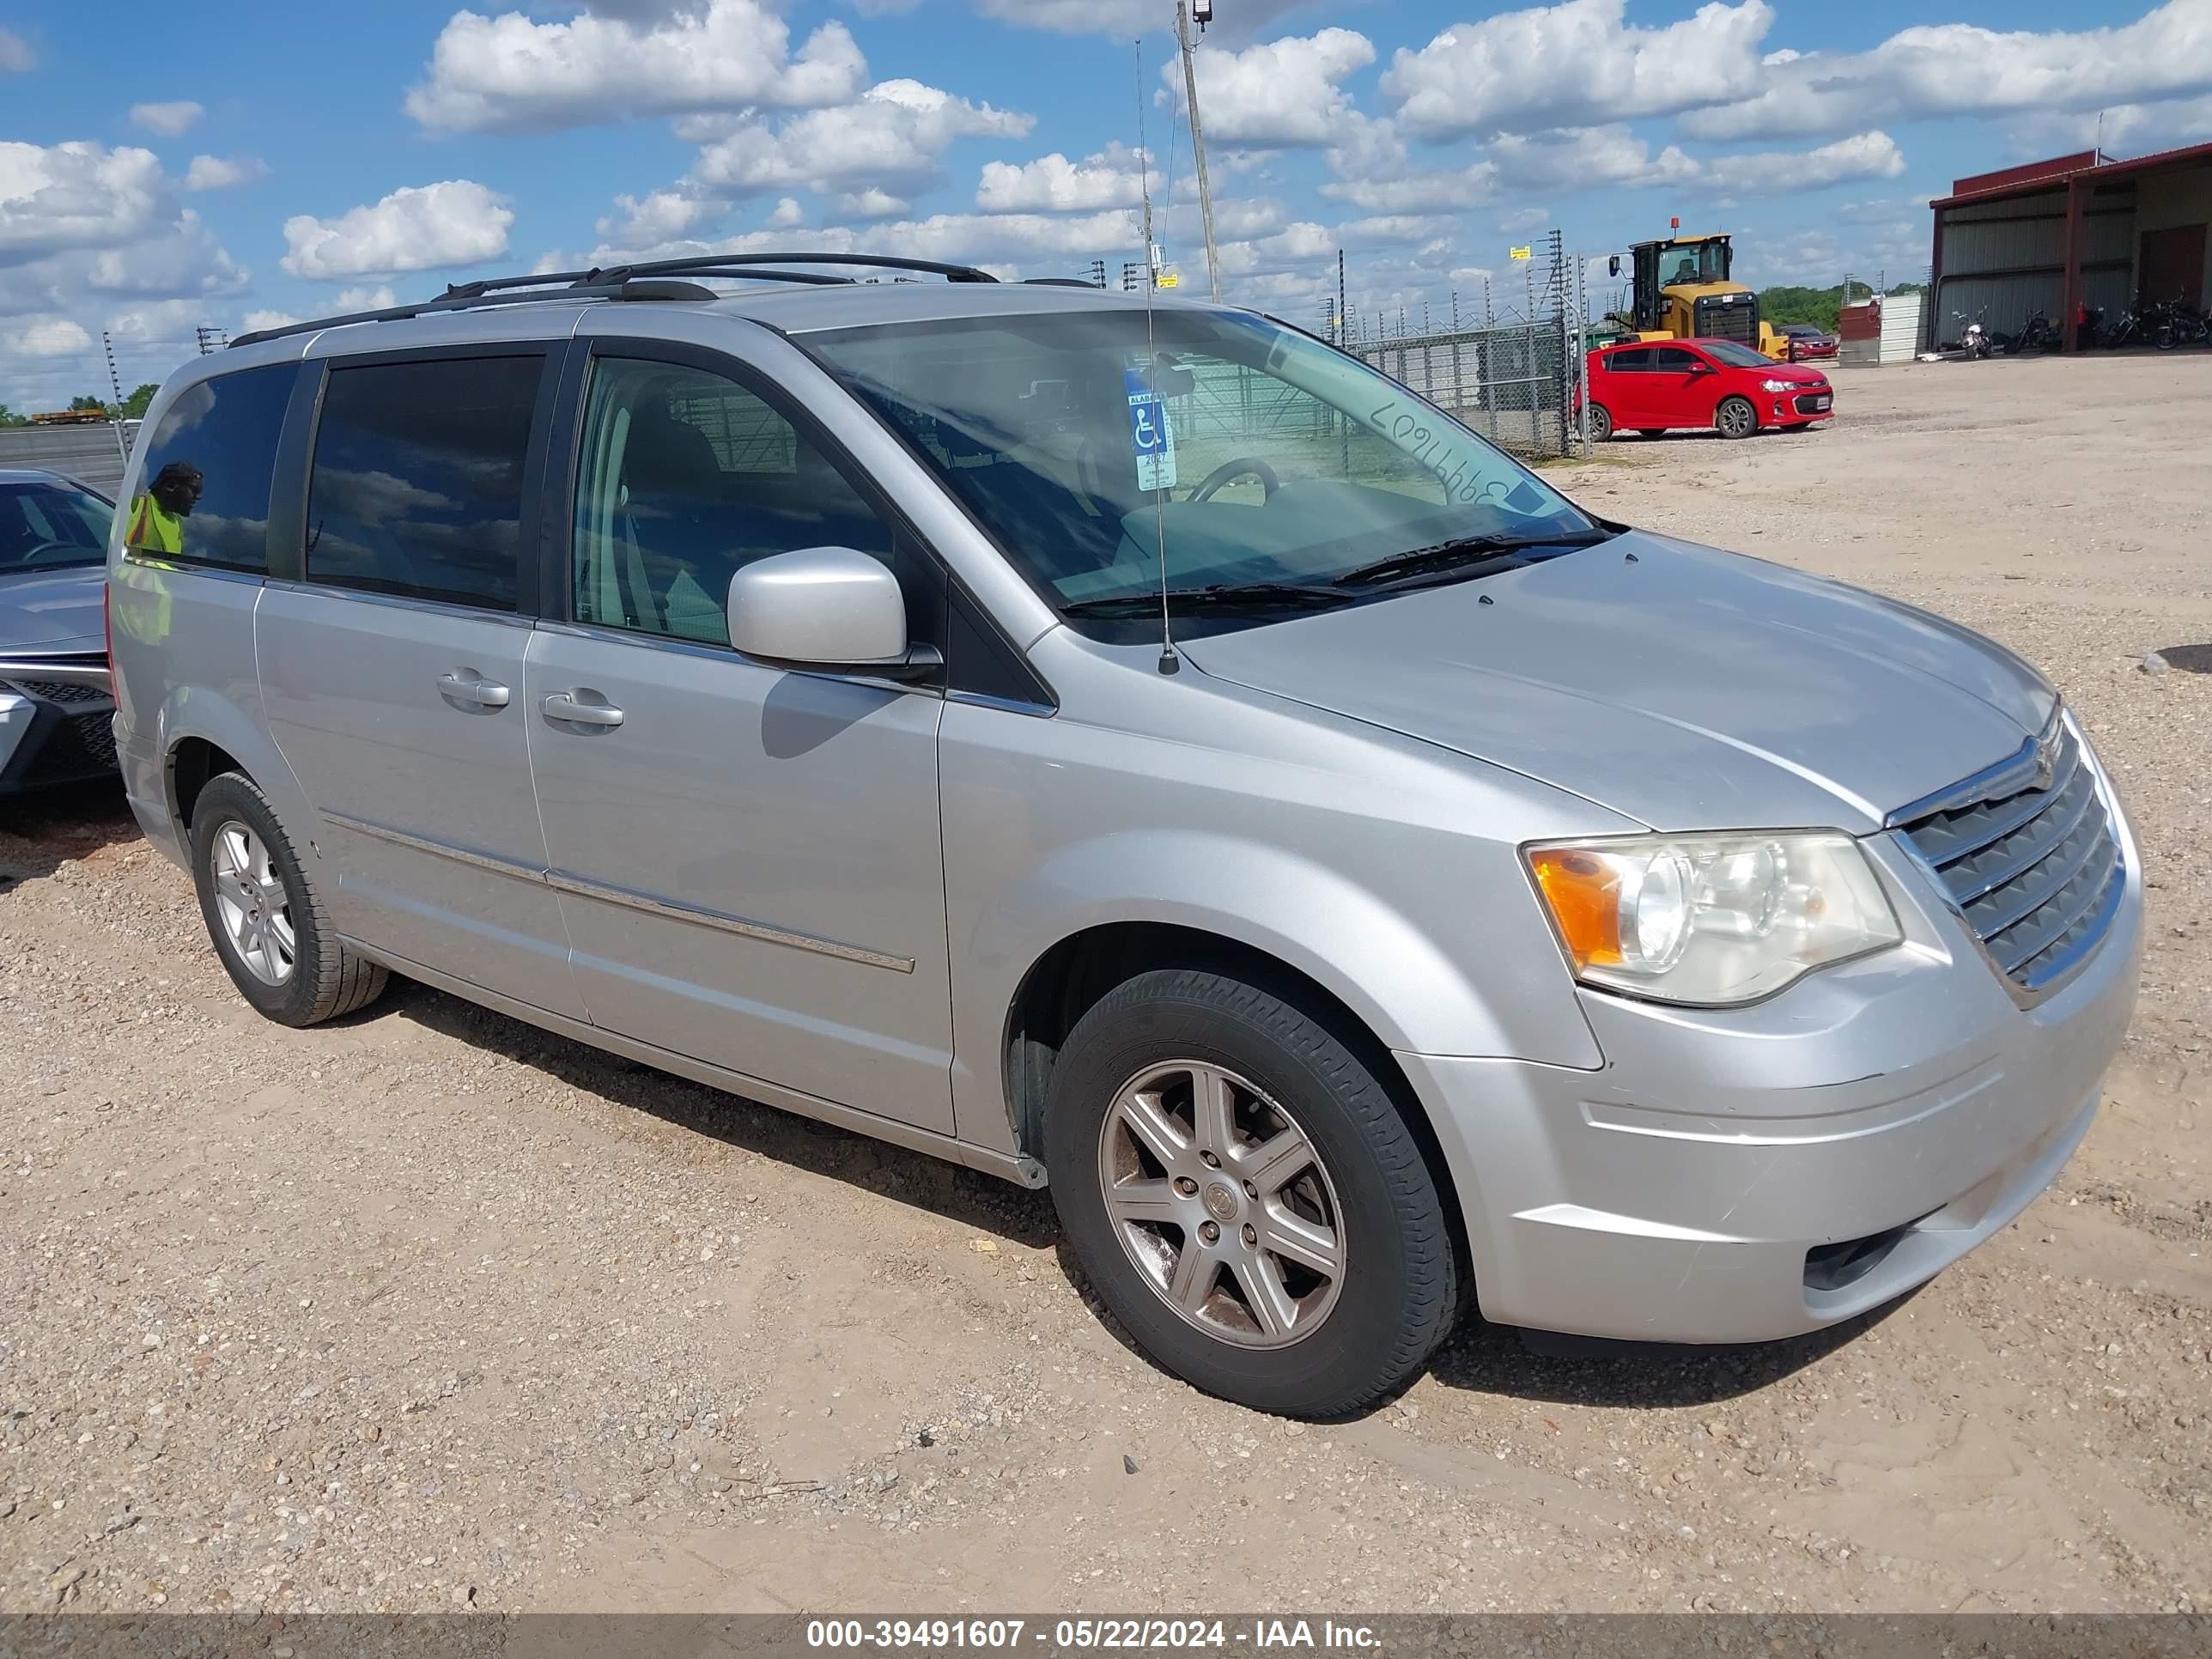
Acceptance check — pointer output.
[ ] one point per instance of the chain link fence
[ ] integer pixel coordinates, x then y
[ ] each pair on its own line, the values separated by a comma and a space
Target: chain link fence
1514, 374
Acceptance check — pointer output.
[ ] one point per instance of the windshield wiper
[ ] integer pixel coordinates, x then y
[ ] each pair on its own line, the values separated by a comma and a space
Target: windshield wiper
1241, 596
1502, 549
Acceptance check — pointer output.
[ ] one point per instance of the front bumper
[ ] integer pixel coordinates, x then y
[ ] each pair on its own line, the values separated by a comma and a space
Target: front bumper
1740, 1174
56, 724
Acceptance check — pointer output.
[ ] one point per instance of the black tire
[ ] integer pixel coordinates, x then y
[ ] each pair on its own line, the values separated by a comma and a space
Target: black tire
2166, 339
1400, 1287
1601, 423
1736, 418
325, 979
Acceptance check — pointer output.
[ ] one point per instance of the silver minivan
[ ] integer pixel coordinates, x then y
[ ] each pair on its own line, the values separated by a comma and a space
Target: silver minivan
1138, 748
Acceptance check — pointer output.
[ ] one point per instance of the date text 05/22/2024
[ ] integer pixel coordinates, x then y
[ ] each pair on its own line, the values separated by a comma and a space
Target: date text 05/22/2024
1087, 1635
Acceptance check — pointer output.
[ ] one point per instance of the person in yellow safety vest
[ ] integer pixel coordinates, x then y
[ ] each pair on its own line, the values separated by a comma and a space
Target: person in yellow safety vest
157, 516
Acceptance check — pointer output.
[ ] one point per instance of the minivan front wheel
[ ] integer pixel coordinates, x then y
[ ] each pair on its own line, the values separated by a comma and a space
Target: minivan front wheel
1245, 1196
265, 917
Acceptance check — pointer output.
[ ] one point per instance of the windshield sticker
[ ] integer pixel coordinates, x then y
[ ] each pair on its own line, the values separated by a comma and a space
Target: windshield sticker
1152, 438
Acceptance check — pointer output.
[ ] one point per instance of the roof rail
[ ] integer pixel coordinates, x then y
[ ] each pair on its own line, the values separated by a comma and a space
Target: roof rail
734, 264
632, 281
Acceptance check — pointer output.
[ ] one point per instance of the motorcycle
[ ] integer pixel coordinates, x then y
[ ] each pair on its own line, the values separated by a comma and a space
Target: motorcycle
1973, 342
2039, 333
2183, 324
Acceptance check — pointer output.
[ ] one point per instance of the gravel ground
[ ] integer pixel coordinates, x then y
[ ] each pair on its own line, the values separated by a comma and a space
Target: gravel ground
429, 1310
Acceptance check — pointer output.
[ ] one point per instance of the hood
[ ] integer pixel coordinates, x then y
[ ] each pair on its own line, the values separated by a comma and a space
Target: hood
54, 612
1796, 374
1685, 689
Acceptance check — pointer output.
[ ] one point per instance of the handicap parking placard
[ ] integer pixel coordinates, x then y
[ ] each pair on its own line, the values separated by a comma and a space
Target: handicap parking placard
1151, 436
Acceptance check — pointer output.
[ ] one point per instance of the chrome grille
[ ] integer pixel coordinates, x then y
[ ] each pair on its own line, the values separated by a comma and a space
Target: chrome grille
2036, 873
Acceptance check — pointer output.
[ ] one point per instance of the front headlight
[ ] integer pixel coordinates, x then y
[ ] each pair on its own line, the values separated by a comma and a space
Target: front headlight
1778, 385
1712, 919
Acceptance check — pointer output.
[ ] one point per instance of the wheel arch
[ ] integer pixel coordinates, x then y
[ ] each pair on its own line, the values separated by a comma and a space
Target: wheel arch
203, 736
1077, 971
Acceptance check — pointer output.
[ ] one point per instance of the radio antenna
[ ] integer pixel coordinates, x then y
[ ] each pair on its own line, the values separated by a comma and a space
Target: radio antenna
1169, 662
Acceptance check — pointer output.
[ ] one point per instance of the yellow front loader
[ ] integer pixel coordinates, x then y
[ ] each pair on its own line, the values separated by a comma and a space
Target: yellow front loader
1681, 289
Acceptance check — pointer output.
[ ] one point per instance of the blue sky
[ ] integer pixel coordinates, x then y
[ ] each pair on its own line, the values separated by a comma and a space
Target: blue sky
231, 164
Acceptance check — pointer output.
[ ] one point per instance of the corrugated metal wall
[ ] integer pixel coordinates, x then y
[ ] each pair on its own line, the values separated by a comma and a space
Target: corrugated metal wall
2003, 261
1900, 328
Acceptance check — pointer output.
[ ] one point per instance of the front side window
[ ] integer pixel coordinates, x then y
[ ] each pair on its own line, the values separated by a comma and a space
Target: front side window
44, 526
1675, 360
1099, 447
204, 486
683, 476
418, 483
1634, 360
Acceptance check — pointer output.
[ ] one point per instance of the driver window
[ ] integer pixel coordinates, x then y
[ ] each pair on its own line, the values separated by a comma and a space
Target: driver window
685, 476
1676, 360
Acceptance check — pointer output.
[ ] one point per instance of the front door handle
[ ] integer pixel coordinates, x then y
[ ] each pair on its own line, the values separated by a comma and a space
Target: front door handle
563, 706
469, 686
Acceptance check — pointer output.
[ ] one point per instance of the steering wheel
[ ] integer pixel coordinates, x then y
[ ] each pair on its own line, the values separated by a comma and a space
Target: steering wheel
1244, 466
32, 553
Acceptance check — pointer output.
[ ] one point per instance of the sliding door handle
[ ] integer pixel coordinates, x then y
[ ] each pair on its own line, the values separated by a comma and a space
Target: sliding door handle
466, 685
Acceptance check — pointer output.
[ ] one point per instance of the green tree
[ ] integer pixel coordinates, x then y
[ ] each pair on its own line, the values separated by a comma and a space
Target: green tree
133, 408
10, 417
1819, 305
77, 403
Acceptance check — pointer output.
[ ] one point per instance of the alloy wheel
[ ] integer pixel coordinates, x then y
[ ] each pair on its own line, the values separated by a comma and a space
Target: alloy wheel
1222, 1203
251, 902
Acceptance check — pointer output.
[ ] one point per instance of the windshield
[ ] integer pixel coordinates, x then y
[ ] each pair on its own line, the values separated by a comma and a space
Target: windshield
1696, 261
1733, 355
43, 525
1230, 450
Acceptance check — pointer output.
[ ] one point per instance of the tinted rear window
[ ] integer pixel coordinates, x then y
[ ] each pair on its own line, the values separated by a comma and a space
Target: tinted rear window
204, 489
418, 481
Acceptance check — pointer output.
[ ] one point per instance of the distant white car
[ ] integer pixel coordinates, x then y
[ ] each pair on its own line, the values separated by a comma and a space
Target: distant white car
56, 705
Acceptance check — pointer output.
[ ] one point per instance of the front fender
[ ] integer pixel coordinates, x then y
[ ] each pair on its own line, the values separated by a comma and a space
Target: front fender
1407, 986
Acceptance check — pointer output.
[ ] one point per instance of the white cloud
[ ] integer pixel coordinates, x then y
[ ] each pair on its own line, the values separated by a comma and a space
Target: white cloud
74, 195
1587, 158
1958, 69
873, 203
255, 320
218, 173
510, 74
1864, 155
892, 136
1286, 91
1052, 184
2122, 130
16, 57
418, 227
1576, 63
168, 119
787, 214
380, 298
48, 337
662, 216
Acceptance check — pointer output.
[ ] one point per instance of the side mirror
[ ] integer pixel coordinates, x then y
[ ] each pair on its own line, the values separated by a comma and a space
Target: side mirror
1612, 266
827, 608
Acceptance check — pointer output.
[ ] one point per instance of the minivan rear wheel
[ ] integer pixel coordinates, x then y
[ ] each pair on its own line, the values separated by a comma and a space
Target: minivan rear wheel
1246, 1197
263, 912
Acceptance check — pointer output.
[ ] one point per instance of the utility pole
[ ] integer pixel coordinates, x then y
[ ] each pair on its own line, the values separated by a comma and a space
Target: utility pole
1198, 138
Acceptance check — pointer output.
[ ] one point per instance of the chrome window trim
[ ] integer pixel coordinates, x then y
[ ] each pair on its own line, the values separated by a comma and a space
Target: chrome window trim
708, 652
401, 602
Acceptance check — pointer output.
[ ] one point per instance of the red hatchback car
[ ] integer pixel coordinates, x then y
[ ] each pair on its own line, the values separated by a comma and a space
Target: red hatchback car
1642, 386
